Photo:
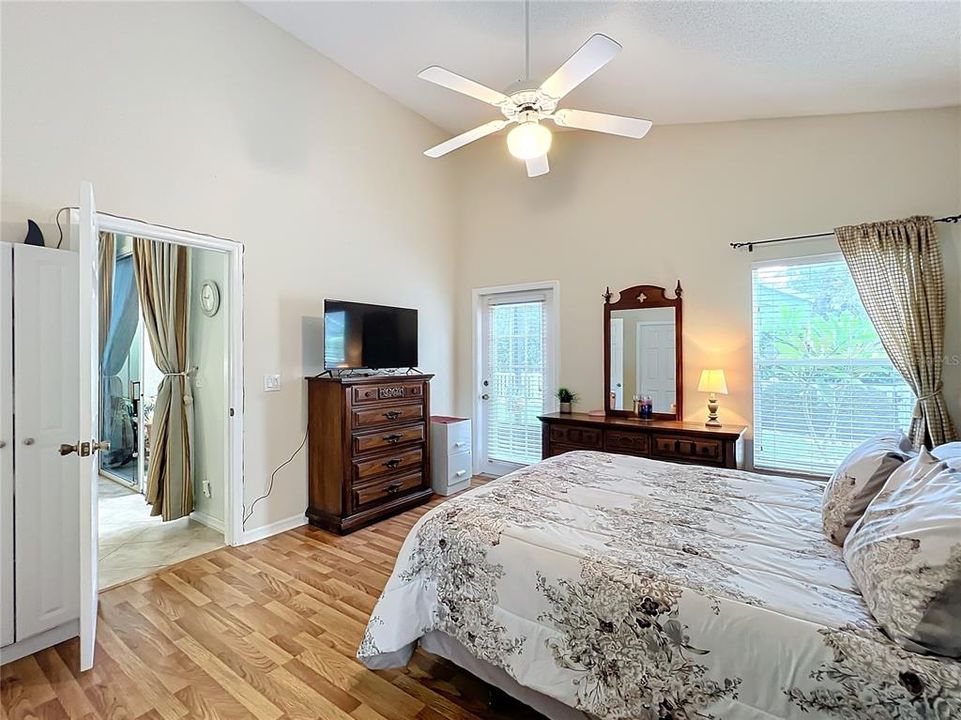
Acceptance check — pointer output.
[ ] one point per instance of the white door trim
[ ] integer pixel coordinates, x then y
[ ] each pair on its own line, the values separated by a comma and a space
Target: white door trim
553, 372
234, 306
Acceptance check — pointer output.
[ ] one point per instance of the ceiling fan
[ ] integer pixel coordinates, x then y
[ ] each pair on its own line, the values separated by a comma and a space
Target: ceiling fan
528, 105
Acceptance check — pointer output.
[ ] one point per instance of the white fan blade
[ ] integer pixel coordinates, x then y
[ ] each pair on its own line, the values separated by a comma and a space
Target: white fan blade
468, 137
602, 122
458, 83
587, 60
538, 166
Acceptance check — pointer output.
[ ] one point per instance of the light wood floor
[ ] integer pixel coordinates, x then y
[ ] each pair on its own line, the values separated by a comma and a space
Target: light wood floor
267, 630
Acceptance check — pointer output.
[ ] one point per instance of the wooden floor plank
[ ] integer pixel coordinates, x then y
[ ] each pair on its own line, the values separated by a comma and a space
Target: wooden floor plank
268, 630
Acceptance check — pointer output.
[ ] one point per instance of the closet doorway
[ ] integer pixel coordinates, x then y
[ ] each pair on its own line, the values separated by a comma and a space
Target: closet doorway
139, 535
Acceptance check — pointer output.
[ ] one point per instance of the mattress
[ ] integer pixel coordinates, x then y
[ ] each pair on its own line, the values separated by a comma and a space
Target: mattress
630, 588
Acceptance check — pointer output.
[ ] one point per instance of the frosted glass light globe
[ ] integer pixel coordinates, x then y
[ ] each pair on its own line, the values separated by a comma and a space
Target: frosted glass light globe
529, 140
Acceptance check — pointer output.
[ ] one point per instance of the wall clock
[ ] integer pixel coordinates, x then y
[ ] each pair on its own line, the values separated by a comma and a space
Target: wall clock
209, 298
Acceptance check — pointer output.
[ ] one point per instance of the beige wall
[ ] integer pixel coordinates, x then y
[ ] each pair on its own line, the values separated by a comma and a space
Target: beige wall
207, 117
618, 212
207, 350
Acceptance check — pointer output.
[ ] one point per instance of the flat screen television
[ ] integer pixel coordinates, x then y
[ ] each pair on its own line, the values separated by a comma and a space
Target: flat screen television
371, 337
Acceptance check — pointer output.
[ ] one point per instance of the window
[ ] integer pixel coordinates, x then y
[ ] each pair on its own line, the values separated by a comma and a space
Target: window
822, 381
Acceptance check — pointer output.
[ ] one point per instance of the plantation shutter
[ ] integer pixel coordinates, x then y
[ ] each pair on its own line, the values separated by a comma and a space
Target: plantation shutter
822, 380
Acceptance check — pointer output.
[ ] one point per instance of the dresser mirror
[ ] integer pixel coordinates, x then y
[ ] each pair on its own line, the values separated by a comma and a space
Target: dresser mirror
642, 351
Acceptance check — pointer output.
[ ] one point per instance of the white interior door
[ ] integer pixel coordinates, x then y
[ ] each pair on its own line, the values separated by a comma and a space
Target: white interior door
89, 412
46, 408
617, 364
656, 364
7, 634
516, 371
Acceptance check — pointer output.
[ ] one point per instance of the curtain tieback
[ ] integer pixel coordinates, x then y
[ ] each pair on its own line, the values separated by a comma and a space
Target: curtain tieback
922, 398
185, 373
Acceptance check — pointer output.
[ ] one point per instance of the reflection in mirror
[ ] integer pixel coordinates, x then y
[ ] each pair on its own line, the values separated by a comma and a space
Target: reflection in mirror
643, 361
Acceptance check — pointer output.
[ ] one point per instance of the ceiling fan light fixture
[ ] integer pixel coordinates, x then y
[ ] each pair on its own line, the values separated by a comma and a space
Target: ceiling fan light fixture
529, 140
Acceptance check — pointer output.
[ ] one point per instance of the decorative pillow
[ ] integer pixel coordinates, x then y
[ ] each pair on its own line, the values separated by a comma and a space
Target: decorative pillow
860, 477
905, 556
947, 451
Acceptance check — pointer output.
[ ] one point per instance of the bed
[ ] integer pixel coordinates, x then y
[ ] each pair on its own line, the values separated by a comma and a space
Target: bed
608, 586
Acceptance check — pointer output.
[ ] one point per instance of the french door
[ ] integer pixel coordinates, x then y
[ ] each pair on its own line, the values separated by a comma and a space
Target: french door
516, 364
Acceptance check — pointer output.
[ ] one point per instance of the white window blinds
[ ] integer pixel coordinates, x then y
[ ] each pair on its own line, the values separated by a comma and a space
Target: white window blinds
517, 376
822, 381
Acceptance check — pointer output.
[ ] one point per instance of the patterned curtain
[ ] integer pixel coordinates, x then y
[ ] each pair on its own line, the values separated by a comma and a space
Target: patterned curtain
897, 268
163, 283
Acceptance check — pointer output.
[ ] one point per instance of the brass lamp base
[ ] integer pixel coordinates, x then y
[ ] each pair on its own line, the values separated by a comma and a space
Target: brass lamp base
712, 407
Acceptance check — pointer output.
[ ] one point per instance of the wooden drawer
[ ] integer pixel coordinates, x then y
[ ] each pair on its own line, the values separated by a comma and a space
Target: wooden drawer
384, 490
381, 439
361, 394
388, 415
387, 463
584, 438
688, 448
555, 450
628, 443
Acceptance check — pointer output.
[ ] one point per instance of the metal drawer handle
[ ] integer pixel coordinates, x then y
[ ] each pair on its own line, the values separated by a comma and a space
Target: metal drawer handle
460, 473
459, 444
393, 487
392, 414
28, 441
392, 463
395, 437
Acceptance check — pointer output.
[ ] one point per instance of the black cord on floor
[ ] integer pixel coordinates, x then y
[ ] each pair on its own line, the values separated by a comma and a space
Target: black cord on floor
270, 484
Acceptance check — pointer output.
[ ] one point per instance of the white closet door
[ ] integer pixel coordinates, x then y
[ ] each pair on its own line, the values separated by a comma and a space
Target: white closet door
47, 412
6, 445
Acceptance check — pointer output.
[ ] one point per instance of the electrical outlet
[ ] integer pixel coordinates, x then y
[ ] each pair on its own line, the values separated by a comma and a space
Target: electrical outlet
271, 383
205, 487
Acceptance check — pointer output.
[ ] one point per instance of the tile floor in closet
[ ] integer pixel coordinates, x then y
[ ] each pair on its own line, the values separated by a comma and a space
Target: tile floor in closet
133, 544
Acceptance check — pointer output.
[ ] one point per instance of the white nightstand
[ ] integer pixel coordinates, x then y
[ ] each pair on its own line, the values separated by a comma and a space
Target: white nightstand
450, 454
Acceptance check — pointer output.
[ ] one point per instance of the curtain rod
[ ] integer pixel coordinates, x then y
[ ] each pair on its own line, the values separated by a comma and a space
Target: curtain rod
750, 245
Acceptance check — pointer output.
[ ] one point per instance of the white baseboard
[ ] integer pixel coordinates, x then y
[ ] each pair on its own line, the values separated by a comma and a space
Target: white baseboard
208, 520
42, 641
275, 528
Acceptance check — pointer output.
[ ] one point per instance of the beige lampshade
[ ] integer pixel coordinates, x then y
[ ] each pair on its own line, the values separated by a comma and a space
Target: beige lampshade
712, 381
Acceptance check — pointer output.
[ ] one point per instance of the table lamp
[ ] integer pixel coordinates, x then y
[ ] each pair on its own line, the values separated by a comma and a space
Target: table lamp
713, 382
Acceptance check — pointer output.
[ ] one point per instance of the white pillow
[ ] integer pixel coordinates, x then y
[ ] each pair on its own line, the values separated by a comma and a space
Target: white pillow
947, 451
905, 556
858, 478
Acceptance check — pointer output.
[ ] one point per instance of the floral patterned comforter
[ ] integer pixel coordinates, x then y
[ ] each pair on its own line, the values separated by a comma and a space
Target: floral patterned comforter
631, 588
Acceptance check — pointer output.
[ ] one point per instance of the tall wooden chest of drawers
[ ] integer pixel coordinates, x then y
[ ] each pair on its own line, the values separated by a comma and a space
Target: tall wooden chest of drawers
368, 448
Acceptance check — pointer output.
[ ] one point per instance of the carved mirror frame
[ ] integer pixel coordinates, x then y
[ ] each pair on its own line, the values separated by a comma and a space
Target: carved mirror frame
639, 297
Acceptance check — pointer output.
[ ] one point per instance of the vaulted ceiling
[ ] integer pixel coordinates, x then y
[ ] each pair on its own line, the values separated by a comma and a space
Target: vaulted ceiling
682, 62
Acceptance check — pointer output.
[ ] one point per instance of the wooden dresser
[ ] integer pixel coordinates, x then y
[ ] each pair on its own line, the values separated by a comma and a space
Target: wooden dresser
669, 440
368, 448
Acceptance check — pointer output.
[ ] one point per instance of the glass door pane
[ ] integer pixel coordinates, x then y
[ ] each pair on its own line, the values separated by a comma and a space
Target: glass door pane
514, 380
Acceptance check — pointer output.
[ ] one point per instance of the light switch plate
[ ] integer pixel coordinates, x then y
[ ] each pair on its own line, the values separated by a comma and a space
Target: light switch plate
271, 383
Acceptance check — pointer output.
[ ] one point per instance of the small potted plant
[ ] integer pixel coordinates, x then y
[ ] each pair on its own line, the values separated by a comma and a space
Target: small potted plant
567, 398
